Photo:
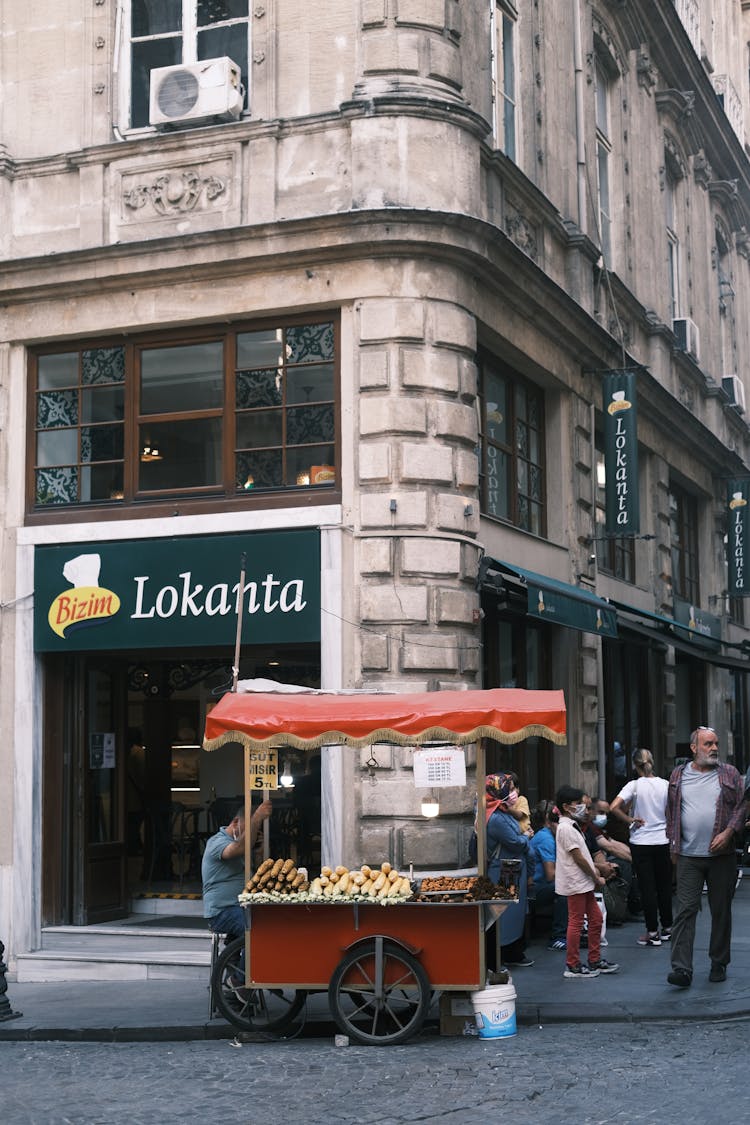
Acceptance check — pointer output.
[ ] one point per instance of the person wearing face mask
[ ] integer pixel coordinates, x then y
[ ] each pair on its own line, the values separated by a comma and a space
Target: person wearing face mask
576, 877
505, 840
223, 872
706, 806
642, 805
545, 853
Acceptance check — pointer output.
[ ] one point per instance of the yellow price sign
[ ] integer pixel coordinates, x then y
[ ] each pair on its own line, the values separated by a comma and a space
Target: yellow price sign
262, 769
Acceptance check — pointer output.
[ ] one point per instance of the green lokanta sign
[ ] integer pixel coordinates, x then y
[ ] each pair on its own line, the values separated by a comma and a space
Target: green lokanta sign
163, 593
738, 537
622, 512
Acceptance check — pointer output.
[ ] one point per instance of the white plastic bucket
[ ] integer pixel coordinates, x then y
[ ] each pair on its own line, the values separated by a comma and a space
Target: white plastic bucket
495, 1011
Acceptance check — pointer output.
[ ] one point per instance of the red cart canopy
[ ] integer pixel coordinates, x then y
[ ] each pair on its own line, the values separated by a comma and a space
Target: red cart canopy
309, 720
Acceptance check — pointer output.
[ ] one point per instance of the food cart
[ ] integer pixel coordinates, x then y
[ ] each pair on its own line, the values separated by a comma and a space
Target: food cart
378, 959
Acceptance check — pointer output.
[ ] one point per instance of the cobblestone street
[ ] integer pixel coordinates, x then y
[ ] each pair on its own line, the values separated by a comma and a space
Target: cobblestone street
594, 1073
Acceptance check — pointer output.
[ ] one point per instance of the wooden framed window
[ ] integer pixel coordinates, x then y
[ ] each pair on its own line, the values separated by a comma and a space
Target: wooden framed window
512, 437
615, 554
220, 414
683, 526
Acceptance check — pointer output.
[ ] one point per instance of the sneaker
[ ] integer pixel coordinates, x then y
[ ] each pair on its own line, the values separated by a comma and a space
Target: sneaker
681, 978
666, 934
603, 966
237, 986
718, 972
558, 943
522, 962
650, 938
603, 941
578, 972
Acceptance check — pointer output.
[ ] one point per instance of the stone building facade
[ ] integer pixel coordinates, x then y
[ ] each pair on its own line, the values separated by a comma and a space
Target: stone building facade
454, 217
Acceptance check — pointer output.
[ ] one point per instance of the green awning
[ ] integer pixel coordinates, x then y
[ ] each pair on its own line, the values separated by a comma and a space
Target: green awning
557, 603
682, 637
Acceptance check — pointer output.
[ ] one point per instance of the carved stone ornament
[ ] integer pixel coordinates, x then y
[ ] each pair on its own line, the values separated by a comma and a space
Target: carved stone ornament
702, 170
522, 233
686, 395
645, 71
742, 242
175, 193
620, 329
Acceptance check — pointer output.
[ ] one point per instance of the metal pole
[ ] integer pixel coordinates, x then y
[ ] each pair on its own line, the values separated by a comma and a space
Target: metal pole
240, 605
601, 745
6, 1012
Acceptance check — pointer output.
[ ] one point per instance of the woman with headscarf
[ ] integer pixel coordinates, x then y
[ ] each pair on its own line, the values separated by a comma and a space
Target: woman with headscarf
642, 805
505, 840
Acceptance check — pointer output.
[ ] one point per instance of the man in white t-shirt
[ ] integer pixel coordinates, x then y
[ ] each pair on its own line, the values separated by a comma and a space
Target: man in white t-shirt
706, 806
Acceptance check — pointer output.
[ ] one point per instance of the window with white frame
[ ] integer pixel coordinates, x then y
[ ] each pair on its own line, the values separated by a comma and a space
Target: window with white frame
671, 181
170, 32
504, 18
602, 83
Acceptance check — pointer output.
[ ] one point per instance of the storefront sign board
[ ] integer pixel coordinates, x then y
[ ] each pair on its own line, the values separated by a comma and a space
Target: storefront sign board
177, 592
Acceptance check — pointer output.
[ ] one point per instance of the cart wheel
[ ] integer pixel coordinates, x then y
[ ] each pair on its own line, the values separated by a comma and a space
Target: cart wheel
251, 1009
374, 1012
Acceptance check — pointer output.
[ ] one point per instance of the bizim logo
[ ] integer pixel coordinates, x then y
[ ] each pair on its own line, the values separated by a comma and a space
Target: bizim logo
87, 602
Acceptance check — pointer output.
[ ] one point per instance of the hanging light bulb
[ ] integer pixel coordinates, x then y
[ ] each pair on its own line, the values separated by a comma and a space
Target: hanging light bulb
430, 805
286, 781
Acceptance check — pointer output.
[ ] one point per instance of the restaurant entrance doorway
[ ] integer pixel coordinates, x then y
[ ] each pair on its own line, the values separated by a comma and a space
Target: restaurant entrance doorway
130, 796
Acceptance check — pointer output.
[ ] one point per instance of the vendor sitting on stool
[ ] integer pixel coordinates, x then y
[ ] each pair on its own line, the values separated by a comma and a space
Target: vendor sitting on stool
223, 872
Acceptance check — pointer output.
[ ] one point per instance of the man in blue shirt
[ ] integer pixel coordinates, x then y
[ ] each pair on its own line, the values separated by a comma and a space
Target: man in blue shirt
545, 855
223, 872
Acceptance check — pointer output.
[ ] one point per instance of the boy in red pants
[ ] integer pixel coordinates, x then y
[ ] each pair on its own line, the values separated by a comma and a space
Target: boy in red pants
576, 878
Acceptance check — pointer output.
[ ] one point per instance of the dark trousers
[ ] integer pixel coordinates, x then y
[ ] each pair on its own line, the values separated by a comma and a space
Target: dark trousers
719, 874
545, 897
653, 869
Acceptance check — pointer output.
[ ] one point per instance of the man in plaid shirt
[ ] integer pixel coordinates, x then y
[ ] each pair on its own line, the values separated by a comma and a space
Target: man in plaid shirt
706, 805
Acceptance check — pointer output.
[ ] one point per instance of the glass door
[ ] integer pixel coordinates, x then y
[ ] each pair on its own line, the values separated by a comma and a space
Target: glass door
102, 771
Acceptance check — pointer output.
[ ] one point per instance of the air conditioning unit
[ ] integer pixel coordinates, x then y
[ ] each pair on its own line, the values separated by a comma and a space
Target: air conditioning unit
734, 388
688, 338
196, 92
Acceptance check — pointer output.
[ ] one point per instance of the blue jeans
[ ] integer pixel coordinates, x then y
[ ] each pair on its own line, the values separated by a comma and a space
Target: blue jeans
230, 921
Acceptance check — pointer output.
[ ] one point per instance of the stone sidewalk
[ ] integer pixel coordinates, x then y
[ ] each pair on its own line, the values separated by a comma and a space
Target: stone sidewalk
178, 1010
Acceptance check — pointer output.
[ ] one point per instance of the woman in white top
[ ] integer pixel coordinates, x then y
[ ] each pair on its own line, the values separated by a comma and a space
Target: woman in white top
642, 805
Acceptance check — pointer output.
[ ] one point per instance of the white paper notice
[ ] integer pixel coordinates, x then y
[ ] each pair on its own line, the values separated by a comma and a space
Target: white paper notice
439, 767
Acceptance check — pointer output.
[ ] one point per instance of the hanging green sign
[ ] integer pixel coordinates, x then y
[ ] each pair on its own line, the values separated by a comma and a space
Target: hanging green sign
622, 513
738, 536
163, 593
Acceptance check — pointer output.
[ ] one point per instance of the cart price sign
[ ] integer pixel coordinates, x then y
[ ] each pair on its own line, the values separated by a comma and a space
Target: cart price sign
263, 769
439, 767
